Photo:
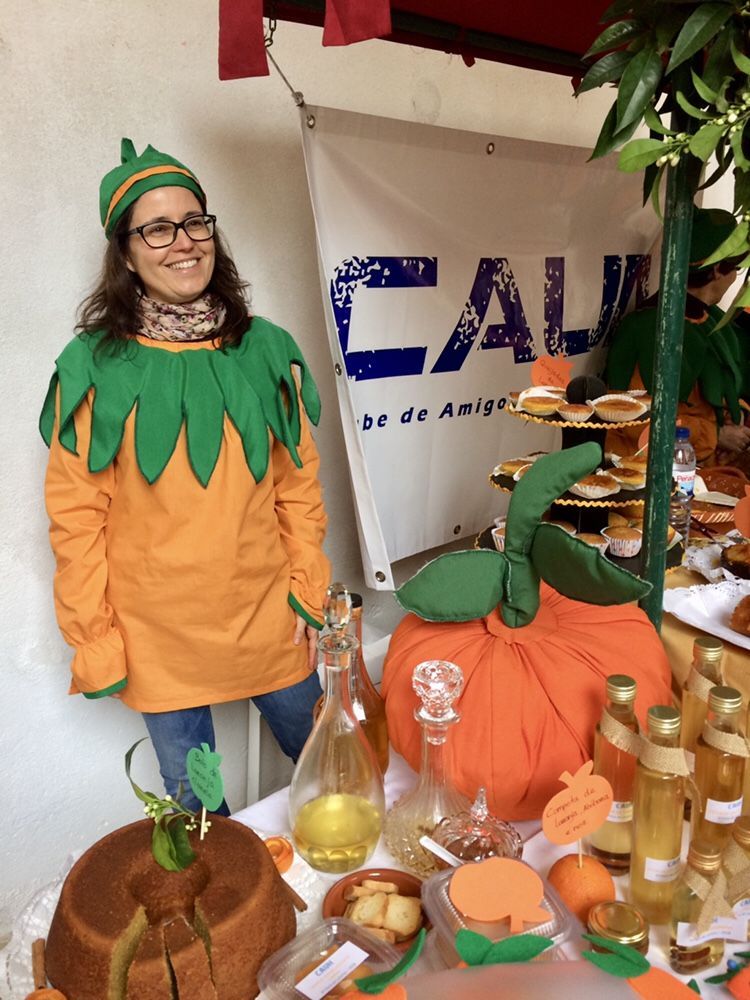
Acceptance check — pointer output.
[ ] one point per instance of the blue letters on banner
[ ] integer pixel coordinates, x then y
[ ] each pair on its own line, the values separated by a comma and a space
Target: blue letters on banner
494, 275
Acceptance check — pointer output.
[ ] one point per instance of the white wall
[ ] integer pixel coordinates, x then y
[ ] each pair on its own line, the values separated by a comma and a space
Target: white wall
76, 75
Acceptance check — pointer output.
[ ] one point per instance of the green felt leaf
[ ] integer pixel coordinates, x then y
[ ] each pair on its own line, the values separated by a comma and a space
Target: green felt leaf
703, 90
724, 977
699, 29
158, 415
516, 948
163, 849
182, 852
614, 36
705, 140
377, 983
734, 245
605, 70
204, 413
637, 86
640, 153
618, 959
691, 109
580, 571
472, 947
693, 985
456, 587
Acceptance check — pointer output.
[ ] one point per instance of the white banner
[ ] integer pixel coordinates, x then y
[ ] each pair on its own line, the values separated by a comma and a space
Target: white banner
449, 261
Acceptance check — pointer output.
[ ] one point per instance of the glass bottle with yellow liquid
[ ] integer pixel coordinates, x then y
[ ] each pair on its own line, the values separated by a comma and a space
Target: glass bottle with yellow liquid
611, 843
719, 773
368, 706
740, 901
705, 672
438, 684
658, 804
689, 951
336, 801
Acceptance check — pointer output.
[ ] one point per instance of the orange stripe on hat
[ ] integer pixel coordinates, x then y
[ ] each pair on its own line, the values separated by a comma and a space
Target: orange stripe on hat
141, 175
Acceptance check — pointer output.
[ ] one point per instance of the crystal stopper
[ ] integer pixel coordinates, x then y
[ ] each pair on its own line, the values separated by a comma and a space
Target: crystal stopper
438, 683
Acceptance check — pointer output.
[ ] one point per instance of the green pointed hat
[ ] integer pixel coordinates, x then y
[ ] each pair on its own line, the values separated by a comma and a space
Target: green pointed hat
711, 226
138, 174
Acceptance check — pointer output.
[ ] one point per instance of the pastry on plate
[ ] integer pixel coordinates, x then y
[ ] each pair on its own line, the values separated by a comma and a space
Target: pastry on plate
740, 620
540, 406
637, 462
629, 479
595, 541
510, 467
736, 559
576, 413
618, 409
624, 542
595, 486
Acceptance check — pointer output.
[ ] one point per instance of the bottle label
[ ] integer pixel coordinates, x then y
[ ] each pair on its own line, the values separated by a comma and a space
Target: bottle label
331, 971
723, 812
685, 481
659, 870
742, 908
726, 928
621, 812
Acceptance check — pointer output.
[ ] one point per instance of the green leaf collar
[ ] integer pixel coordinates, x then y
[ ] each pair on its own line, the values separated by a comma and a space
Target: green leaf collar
252, 383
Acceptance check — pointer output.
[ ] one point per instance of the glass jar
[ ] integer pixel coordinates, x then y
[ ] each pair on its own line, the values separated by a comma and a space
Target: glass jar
477, 834
620, 922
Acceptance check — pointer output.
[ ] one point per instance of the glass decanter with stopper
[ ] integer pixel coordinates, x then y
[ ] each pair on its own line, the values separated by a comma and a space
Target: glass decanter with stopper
336, 801
438, 684
477, 834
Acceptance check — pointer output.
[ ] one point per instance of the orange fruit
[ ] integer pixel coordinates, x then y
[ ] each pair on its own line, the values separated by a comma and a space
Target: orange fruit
581, 887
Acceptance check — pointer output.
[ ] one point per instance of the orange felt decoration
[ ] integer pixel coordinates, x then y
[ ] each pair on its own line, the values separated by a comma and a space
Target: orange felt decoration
739, 985
580, 808
498, 888
532, 696
742, 514
656, 984
547, 370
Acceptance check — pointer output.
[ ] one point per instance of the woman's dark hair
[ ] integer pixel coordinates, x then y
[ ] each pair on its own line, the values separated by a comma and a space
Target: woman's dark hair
700, 277
113, 304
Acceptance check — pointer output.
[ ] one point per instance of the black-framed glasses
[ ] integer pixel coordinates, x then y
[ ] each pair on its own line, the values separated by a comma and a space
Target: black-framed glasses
158, 235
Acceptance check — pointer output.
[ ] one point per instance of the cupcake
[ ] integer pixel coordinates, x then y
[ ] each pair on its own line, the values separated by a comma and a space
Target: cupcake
519, 473
617, 521
498, 537
510, 467
540, 406
595, 541
618, 409
513, 397
637, 462
641, 395
565, 525
575, 413
595, 486
629, 479
624, 542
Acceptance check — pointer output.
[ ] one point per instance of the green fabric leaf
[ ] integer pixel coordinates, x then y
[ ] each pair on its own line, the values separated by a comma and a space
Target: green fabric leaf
693, 985
619, 960
740, 60
377, 983
47, 416
516, 948
204, 415
638, 86
158, 415
734, 245
699, 29
705, 141
708, 94
472, 947
614, 36
246, 413
455, 587
605, 70
691, 109
183, 853
640, 153
117, 383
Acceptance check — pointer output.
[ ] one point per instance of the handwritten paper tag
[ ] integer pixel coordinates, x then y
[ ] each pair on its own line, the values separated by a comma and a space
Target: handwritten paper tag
548, 370
205, 777
497, 888
580, 808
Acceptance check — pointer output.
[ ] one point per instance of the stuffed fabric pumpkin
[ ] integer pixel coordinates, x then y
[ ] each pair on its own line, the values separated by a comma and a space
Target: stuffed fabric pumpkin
532, 696
535, 662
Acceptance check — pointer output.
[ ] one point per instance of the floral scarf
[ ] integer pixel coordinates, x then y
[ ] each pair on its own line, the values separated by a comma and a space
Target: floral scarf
197, 320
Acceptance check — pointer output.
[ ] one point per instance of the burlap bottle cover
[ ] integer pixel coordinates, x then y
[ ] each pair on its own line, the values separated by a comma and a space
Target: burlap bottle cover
712, 895
698, 685
733, 743
618, 735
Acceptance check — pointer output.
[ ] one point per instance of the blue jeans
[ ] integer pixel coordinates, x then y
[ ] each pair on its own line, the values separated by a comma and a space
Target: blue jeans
288, 712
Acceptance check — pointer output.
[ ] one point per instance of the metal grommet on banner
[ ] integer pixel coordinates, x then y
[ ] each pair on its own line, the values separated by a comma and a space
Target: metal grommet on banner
380, 576
457, 529
490, 148
311, 121
337, 368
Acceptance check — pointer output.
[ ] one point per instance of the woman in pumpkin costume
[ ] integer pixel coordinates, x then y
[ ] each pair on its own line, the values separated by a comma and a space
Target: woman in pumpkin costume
185, 511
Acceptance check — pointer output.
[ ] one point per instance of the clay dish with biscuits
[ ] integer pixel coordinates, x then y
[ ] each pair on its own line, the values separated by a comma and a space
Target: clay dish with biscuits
383, 901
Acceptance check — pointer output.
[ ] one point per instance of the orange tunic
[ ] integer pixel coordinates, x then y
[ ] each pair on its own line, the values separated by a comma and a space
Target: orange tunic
186, 592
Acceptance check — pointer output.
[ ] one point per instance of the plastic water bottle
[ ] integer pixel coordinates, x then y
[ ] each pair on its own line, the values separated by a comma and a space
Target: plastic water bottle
683, 474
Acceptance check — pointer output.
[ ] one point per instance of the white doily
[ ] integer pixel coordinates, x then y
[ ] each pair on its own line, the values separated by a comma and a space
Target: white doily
15, 959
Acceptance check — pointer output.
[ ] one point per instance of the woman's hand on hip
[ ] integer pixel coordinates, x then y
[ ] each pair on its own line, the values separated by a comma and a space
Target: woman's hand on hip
304, 631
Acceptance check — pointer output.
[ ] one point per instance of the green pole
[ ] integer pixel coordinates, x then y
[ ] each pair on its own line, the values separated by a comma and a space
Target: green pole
670, 321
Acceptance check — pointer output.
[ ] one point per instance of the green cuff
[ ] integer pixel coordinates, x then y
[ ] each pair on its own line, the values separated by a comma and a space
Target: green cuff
294, 603
112, 689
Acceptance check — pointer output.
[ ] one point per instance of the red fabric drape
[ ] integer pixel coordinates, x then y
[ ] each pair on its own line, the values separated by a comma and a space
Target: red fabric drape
356, 20
242, 50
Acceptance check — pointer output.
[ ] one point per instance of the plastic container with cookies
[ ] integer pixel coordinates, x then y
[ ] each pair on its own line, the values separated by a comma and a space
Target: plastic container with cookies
335, 952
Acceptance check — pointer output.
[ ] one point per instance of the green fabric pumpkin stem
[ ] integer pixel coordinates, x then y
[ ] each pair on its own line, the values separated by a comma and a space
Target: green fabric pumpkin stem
251, 383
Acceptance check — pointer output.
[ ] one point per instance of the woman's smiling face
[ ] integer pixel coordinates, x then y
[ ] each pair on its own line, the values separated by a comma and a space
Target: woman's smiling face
178, 273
